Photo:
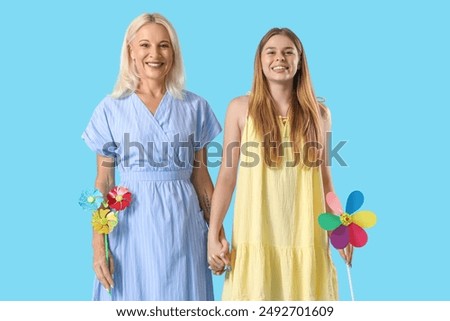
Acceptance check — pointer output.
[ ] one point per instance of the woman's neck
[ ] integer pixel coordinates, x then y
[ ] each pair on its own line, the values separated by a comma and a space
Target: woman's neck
151, 88
282, 95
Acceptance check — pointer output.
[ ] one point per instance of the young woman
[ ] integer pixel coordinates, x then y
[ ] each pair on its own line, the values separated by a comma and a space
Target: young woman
277, 139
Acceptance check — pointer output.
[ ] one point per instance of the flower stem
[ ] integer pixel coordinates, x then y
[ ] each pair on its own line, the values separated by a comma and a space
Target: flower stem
107, 256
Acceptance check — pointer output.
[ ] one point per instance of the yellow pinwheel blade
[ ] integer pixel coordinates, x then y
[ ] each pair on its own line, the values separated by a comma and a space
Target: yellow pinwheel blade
364, 219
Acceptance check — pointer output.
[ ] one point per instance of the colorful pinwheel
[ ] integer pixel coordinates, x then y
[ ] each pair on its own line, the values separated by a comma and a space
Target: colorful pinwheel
119, 198
348, 226
90, 199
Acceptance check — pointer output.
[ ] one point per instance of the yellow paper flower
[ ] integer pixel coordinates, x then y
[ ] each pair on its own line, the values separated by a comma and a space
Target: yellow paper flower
104, 221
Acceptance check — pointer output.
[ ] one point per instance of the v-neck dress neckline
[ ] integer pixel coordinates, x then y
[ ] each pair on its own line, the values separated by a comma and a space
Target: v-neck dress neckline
284, 123
160, 105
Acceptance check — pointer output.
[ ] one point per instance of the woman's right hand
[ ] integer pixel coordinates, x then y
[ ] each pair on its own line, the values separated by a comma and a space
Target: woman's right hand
218, 256
104, 183
103, 272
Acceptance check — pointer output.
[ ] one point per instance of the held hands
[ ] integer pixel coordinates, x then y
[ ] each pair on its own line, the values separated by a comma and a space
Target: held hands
104, 274
218, 255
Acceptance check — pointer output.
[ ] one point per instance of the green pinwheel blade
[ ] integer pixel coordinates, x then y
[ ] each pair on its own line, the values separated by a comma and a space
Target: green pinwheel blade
364, 219
329, 221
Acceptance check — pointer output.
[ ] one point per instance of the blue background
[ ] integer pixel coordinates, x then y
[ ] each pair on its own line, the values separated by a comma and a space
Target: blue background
382, 66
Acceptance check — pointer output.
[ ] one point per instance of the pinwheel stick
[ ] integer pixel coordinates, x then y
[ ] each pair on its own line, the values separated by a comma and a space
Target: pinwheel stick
107, 256
350, 282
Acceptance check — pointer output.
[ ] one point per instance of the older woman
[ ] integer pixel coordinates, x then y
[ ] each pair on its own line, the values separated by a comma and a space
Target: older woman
155, 133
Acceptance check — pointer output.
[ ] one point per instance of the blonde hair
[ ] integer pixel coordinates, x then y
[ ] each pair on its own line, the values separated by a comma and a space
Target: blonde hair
304, 114
128, 79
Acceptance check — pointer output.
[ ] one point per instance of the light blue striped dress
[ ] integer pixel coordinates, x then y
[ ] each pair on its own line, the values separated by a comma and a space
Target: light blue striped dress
159, 244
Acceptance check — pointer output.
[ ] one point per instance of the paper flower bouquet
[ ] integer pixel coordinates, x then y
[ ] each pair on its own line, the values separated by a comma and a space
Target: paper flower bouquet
105, 212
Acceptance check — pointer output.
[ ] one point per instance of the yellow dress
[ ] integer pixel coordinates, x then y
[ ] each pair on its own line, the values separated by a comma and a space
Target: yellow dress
279, 252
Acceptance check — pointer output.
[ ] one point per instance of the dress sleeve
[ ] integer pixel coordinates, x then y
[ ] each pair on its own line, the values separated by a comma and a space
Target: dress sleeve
208, 126
98, 135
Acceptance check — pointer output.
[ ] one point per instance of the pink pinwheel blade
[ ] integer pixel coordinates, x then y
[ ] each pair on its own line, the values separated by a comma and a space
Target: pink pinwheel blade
358, 237
334, 203
340, 237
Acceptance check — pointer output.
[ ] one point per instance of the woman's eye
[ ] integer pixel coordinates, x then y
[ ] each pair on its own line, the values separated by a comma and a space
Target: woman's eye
144, 45
164, 45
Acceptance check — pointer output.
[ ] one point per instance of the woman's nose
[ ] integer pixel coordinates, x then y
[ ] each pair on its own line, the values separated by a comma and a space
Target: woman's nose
154, 52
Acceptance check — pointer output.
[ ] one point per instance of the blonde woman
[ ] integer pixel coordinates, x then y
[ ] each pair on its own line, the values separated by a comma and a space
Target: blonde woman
154, 132
278, 250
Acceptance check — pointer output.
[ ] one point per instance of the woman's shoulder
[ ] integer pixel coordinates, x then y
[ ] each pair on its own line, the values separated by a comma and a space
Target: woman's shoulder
325, 113
239, 105
110, 102
241, 101
194, 102
191, 97
323, 109
109, 106
238, 111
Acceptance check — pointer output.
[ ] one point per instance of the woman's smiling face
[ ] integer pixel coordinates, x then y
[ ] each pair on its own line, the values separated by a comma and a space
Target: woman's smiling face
152, 52
280, 59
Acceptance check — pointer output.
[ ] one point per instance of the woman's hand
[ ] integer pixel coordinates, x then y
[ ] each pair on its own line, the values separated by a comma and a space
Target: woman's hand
347, 254
218, 256
104, 182
103, 272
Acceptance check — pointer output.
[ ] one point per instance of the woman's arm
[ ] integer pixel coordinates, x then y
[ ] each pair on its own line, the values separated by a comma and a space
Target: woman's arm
327, 181
202, 182
204, 188
226, 182
104, 182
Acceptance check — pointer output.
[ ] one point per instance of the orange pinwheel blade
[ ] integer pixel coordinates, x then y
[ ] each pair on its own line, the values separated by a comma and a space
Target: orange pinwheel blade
365, 219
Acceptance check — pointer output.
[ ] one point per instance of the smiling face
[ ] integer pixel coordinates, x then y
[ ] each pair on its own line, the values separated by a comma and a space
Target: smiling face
279, 59
152, 52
